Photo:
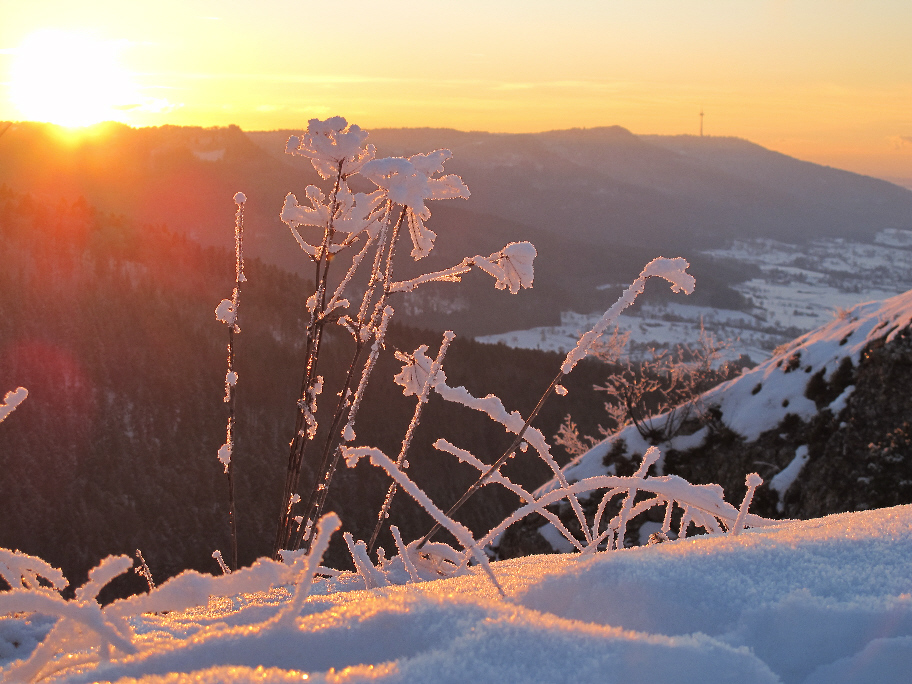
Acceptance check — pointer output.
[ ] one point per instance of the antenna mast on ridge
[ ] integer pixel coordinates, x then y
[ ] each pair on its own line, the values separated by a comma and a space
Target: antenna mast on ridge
701, 122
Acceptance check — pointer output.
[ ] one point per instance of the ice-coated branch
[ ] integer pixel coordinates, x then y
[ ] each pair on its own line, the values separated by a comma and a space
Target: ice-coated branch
77, 618
21, 570
326, 527
753, 480
143, 570
694, 499
462, 534
513, 422
12, 399
221, 561
101, 574
511, 267
227, 312
651, 456
404, 554
498, 477
430, 381
672, 270
373, 578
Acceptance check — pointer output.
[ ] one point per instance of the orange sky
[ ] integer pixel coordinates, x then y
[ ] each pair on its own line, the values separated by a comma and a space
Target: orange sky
828, 81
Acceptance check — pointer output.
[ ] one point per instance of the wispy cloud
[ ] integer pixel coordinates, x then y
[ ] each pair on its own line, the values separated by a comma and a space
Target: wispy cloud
901, 141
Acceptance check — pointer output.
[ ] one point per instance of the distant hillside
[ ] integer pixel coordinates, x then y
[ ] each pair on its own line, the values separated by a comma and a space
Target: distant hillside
606, 186
598, 203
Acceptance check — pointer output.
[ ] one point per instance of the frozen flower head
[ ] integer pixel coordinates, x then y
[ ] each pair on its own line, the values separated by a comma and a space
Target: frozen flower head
511, 266
354, 211
409, 183
332, 143
415, 371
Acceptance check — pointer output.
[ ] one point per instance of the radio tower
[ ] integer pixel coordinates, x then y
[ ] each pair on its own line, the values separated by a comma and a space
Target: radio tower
701, 122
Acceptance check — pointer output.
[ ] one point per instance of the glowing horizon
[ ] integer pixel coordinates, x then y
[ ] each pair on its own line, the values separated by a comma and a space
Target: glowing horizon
829, 82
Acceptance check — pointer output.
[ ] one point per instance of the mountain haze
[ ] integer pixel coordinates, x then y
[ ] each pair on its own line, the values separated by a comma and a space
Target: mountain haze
597, 203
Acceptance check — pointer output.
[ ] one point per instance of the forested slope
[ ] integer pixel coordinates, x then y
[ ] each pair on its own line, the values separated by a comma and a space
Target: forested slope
110, 326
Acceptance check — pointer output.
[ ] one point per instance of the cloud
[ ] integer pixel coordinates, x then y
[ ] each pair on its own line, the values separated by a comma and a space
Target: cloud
901, 141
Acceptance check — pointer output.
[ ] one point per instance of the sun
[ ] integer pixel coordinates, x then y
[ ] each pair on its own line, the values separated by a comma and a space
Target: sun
70, 78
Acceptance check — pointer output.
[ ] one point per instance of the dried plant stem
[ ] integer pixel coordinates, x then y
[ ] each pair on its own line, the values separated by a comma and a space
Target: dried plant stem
362, 330
313, 339
379, 319
480, 482
407, 440
231, 377
332, 447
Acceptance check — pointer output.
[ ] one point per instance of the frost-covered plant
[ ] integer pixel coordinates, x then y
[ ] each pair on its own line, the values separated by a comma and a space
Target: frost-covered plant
85, 633
227, 312
701, 504
672, 270
658, 394
369, 227
12, 399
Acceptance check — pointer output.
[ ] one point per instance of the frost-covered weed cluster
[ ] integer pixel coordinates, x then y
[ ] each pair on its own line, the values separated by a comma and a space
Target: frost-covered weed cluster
362, 231
368, 227
335, 221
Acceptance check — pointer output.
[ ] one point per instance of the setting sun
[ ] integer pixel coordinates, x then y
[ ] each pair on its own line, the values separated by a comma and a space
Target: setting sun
71, 79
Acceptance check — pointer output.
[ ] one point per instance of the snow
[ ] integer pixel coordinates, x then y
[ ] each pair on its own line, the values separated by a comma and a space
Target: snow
760, 398
803, 602
225, 312
784, 478
12, 399
799, 288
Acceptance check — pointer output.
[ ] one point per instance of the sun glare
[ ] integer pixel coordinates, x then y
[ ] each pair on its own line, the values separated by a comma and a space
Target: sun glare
71, 79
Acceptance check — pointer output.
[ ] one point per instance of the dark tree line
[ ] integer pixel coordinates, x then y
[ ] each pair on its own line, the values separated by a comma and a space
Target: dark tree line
110, 325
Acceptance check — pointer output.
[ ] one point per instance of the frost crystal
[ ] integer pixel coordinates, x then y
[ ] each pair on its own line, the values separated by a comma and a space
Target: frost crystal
415, 371
332, 143
224, 312
224, 455
409, 182
512, 266
11, 401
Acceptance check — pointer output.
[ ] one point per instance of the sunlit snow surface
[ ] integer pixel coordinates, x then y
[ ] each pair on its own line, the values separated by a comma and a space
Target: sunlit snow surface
824, 600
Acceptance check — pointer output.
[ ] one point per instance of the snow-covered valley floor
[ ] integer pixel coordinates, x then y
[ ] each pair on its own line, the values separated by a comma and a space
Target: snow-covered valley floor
799, 288
818, 601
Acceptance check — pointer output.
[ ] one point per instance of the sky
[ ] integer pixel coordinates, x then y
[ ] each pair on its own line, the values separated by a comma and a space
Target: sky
828, 81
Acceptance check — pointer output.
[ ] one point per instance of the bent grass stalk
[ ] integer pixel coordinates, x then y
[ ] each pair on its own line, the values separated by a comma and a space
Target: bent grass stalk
407, 440
672, 270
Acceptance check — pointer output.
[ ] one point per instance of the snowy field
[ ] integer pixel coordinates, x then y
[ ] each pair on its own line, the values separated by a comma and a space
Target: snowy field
801, 287
821, 601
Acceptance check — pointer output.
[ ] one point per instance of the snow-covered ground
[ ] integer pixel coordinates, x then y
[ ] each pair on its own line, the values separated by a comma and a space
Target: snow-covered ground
801, 287
663, 325
820, 601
